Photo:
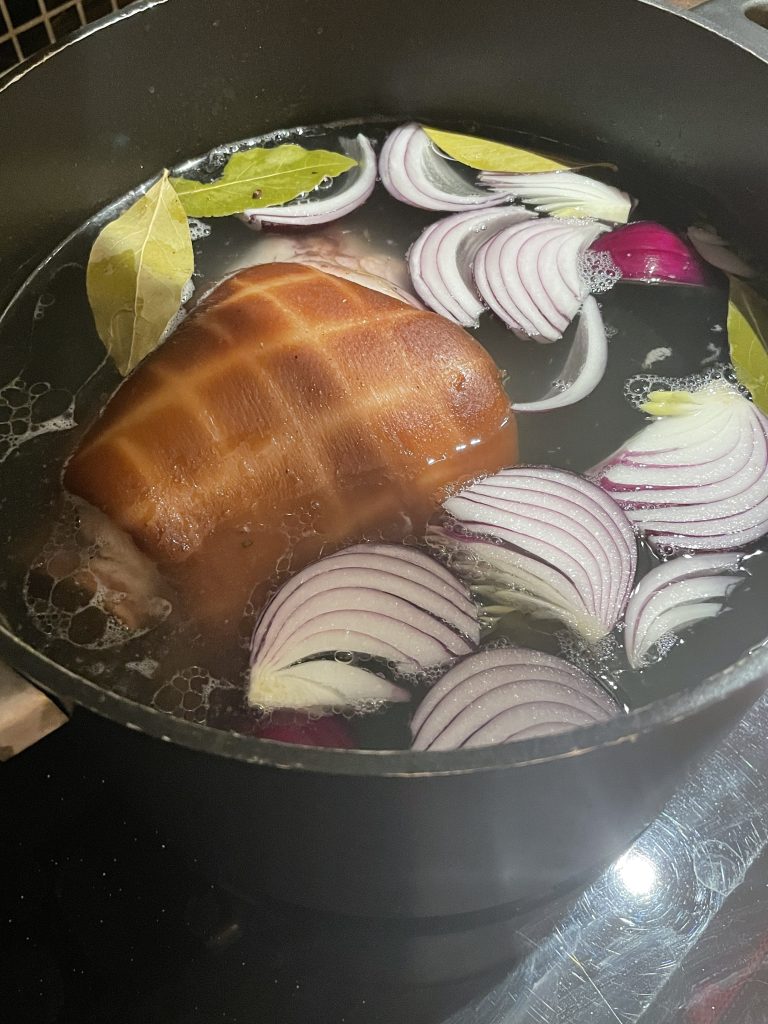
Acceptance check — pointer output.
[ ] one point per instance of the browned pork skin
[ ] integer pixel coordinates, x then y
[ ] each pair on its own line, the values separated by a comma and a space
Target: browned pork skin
291, 413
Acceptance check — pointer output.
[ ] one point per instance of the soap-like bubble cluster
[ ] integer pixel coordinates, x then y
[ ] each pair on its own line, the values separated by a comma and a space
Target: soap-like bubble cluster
181, 313
499, 643
430, 676
363, 709
144, 666
212, 164
20, 419
44, 301
637, 388
198, 229
191, 692
598, 271
66, 599
217, 158
601, 660
663, 646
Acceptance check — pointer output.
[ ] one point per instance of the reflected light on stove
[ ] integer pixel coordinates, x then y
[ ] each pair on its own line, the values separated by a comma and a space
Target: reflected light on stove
637, 873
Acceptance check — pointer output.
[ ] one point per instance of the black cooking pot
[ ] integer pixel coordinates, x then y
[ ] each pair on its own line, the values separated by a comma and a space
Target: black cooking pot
679, 97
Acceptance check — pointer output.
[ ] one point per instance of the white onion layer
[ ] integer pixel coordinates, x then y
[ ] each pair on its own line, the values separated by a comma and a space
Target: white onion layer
563, 194
715, 250
496, 696
383, 601
317, 686
696, 478
352, 191
545, 542
674, 595
413, 171
440, 261
584, 367
528, 274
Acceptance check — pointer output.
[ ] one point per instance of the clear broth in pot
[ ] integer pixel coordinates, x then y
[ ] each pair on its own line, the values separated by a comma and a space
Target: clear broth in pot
57, 379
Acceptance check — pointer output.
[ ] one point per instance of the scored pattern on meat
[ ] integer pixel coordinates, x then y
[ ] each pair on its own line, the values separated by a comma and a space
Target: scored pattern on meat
287, 391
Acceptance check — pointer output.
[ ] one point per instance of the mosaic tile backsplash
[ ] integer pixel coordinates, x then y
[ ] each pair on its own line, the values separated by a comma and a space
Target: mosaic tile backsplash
27, 26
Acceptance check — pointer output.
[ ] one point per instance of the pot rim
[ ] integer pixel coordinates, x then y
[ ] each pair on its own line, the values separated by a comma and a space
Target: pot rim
18, 71
71, 688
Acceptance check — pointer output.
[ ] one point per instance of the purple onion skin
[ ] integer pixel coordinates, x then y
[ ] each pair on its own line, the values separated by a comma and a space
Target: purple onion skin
650, 253
497, 696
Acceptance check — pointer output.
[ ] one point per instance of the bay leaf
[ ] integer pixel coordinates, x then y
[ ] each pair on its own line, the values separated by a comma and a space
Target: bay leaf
485, 155
137, 269
748, 339
255, 178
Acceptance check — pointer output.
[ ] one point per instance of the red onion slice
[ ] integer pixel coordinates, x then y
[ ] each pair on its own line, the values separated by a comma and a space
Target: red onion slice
501, 260
696, 478
497, 696
354, 189
413, 171
615, 530
563, 194
440, 261
583, 369
382, 625
674, 595
527, 272
489, 282
384, 601
648, 252
549, 543
526, 267
483, 559
406, 563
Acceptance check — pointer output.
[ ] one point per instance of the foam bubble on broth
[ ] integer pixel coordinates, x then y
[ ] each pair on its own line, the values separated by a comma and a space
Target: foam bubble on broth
45, 301
64, 598
181, 314
598, 271
638, 387
144, 666
18, 421
603, 660
198, 229
189, 692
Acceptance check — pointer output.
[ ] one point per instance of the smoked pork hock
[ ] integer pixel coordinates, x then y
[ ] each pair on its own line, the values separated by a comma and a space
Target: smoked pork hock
291, 413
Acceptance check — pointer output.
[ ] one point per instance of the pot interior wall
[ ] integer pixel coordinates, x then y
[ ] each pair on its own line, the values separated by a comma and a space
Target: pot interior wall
624, 80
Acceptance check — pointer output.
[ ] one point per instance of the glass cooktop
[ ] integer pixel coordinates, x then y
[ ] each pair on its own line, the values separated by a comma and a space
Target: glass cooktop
102, 919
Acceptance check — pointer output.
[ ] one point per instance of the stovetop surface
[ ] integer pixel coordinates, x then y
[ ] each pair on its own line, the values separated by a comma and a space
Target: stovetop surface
102, 919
